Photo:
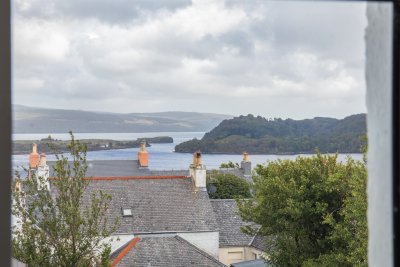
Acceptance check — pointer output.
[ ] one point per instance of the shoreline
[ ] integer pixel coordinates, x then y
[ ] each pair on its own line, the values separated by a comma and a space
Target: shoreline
270, 154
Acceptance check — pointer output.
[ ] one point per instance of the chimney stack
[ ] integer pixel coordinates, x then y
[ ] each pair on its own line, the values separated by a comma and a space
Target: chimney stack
246, 165
43, 160
143, 155
34, 157
198, 172
43, 173
38, 168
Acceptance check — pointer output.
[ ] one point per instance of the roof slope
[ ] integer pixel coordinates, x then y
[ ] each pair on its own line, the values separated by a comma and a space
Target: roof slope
229, 222
235, 171
110, 168
166, 251
259, 242
113, 168
157, 205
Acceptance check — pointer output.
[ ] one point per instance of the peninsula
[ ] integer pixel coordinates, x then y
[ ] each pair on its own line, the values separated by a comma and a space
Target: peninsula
50, 145
258, 135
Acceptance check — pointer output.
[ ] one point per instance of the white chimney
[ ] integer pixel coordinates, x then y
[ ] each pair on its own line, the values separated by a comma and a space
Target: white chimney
43, 173
245, 165
198, 172
43, 160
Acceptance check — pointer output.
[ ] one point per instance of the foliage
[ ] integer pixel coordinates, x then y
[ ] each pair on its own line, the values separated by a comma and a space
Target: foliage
230, 165
314, 208
59, 227
258, 135
228, 186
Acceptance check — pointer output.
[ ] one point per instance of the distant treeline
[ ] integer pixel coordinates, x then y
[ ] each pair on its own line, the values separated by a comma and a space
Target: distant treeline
259, 135
50, 145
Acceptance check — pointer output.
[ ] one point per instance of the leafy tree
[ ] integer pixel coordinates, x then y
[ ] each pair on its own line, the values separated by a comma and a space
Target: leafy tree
57, 227
261, 136
228, 186
230, 164
313, 208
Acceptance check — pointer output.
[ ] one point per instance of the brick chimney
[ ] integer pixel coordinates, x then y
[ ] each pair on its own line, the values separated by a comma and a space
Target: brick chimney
143, 155
34, 157
245, 164
198, 172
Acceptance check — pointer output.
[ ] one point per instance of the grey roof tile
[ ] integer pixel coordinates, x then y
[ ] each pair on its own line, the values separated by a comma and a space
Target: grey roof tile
111, 168
166, 251
235, 171
229, 222
158, 205
259, 242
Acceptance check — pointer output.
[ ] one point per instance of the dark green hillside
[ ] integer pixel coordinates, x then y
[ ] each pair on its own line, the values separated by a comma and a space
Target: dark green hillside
258, 135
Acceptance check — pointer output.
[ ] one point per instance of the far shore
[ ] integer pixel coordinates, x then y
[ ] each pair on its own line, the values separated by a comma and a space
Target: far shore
54, 146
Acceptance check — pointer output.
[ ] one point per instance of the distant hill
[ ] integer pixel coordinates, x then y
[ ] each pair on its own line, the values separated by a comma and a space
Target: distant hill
258, 135
43, 120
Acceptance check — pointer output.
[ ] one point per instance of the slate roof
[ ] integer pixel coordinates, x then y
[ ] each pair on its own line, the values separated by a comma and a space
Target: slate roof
157, 205
111, 168
229, 222
235, 171
166, 251
259, 242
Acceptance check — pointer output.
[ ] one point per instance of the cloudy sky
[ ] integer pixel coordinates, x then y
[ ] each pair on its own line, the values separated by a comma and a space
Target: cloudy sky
274, 59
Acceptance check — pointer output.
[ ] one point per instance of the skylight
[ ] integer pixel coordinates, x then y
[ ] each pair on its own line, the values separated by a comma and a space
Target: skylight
126, 212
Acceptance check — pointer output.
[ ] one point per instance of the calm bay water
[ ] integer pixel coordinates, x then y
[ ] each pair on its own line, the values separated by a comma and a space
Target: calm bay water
161, 156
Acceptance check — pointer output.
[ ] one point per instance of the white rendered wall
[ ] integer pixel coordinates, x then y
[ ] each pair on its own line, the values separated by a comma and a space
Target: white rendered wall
379, 87
200, 177
207, 241
247, 254
43, 172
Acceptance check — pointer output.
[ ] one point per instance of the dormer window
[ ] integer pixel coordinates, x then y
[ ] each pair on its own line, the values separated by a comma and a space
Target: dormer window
127, 212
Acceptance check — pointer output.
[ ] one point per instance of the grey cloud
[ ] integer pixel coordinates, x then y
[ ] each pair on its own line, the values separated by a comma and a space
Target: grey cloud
279, 60
115, 11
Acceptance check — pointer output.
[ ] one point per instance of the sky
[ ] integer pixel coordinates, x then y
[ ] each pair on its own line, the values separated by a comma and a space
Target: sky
275, 59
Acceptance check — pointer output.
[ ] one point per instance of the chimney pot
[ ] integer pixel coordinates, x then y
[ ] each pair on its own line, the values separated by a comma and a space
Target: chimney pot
246, 156
197, 159
143, 145
34, 157
143, 155
43, 160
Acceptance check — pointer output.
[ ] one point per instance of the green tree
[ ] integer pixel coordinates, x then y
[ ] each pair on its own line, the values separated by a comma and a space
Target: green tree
313, 208
57, 227
228, 186
230, 164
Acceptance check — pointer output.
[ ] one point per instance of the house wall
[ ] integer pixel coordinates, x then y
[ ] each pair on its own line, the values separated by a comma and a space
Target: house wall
252, 253
379, 97
16, 263
207, 241
229, 255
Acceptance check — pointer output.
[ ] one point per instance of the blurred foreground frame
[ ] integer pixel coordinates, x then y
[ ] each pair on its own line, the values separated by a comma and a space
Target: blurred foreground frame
386, 255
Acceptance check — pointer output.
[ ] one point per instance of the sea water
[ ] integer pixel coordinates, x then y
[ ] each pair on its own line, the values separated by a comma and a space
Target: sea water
161, 156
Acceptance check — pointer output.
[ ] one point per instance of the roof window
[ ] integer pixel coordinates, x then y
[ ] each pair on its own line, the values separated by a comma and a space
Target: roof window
126, 212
